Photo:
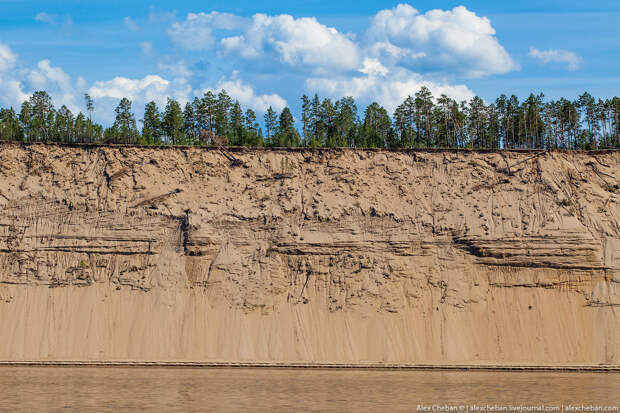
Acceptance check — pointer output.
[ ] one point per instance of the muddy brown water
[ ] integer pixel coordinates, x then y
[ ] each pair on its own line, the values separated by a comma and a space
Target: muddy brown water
51, 389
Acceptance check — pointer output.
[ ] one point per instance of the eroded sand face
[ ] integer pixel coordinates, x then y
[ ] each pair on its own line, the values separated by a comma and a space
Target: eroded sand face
343, 256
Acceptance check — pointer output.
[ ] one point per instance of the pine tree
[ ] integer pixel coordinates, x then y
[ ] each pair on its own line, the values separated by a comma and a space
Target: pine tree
270, 122
62, 130
206, 111
41, 116
172, 124
316, 126
224, 102
424, 105
151, 125
476, 127
90, 106
377, 127
615, 119
346, 123
329, 115
405, 122
444, 128
199, 114
250, 119
189, 124
286, 135
236, 124
512, 139
255, 137
124, 129
306, 118
25, 116
491, 136
587, 106
10, 129
82, 129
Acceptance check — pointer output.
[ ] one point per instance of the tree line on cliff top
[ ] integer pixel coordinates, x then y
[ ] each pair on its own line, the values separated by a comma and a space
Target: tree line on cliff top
420, 121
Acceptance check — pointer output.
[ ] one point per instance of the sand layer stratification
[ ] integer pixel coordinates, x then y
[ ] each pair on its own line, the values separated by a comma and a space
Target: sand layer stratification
324, 256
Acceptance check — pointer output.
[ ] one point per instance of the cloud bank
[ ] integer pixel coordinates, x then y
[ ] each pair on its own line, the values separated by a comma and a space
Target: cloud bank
17, 83
401, 50
302, 43
450, 41
263, 59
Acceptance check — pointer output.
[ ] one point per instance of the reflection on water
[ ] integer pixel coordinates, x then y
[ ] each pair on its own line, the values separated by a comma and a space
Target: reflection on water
276, 390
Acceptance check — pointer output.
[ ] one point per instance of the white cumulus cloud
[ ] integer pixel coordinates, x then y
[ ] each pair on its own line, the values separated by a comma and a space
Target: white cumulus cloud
571, 59
150, 87
12, 93
451, 41
373, 67
302, 42
17, 83
7, 58
196, 31
45, 74
402, 49
54, 81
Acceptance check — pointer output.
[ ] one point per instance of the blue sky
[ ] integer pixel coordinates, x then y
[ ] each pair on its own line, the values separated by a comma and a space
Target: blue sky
271, 52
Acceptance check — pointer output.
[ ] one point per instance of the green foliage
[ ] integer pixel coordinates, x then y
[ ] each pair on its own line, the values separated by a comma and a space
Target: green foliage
151, 125
377, 127
172, 123
270, 122
420, 121
285, 133
39, 116
10, 128
236, 135
38, 121
124, 129
190, 129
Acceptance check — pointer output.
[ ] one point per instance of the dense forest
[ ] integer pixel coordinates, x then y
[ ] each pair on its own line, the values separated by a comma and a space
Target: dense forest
420, 121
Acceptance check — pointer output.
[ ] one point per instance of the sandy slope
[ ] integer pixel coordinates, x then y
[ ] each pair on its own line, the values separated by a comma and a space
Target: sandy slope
324, 256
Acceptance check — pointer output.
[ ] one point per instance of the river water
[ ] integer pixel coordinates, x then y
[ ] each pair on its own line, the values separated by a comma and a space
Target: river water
63, 389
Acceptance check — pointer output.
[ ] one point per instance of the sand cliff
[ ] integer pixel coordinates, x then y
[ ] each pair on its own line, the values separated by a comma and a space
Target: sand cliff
341, 256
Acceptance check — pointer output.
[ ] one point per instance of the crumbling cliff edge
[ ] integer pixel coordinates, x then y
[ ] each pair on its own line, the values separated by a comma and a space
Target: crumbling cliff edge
325, 256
